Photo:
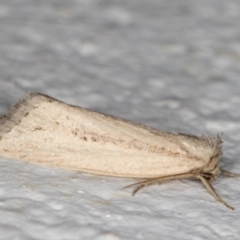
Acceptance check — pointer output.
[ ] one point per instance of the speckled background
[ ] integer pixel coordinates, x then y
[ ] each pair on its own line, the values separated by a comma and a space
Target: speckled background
173, 65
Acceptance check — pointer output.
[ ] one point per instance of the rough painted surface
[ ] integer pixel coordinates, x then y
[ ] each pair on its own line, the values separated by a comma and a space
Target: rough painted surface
172, 65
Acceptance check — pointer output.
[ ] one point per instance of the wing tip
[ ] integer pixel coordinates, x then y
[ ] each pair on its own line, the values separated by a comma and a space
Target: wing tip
19, 110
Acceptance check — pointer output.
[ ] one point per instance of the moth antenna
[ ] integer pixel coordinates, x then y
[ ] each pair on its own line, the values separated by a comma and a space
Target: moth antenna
159, 180
139, 188
145, 182
212, 191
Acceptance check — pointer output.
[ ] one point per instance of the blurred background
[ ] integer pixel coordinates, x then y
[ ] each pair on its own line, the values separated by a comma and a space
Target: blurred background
173, 65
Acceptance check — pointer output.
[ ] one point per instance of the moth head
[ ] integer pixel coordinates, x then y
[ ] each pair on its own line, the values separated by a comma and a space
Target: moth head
214, 144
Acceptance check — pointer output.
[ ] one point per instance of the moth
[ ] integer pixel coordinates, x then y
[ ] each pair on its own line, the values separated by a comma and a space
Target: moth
40, 129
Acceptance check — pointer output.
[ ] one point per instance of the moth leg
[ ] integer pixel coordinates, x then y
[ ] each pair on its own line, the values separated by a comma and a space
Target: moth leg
229, 174
212, 191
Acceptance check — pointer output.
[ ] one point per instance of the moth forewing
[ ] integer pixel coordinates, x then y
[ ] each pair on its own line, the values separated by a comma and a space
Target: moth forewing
56, 134
41, 129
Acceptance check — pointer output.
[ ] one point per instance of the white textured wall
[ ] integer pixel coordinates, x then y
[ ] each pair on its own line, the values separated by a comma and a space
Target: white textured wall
173, 65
